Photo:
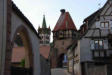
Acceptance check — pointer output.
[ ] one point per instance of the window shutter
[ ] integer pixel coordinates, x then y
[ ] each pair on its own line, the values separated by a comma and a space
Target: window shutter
92, 44
105, 44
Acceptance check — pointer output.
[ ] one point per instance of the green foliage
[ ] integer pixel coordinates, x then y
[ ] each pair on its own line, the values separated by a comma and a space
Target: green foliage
22, 63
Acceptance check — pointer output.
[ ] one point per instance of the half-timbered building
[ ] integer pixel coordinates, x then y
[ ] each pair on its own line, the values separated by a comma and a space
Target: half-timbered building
93, 52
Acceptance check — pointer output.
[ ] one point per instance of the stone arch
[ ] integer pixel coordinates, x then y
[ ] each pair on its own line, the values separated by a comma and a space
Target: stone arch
26, 40
28, 48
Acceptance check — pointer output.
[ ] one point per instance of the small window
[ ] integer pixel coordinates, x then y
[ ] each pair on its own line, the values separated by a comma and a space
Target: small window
96, 44
101, 44
104, 25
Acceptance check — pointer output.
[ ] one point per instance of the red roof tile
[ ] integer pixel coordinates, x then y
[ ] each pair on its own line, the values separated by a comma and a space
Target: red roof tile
44, 51
65, 22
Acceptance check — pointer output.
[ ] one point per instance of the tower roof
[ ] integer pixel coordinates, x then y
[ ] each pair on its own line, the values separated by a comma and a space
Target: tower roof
65, 22
44, 22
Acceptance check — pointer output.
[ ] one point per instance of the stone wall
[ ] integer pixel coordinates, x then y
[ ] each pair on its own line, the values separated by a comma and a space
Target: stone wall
45, 66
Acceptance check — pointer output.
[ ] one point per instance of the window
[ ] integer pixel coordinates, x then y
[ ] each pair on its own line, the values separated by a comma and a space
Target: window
61, 34
97, 44
104, 24
101, 44
67, 33
70, 32
41, 42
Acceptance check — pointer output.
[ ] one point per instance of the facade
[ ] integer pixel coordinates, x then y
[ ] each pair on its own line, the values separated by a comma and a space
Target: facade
93, 53
64, 34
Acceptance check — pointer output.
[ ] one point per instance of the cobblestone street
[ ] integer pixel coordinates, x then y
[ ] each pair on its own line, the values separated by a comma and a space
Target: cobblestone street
59, 71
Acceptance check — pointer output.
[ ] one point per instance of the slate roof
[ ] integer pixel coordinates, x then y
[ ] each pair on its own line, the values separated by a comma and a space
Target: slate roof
65, 22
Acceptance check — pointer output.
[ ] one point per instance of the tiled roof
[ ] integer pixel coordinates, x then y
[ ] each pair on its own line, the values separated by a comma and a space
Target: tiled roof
18, 53
65, 22
44, 51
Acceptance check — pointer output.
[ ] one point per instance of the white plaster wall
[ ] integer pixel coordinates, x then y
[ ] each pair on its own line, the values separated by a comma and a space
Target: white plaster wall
85, 51
16, 22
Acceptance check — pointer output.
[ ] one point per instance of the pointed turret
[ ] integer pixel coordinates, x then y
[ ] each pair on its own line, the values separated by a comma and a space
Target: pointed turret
65, 22
44, 23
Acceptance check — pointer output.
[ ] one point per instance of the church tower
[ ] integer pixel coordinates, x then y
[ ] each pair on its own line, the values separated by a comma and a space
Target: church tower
44, 33
64, 34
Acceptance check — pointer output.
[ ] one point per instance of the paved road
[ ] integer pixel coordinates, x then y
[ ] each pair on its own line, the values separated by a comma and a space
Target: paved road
59, 71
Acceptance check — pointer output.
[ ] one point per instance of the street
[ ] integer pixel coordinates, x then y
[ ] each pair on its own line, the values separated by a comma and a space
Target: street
59, 71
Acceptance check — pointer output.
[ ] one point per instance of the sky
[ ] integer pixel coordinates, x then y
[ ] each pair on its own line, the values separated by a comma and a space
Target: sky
78, 9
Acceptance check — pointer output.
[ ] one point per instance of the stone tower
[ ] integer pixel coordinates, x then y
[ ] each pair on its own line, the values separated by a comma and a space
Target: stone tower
64, 34
44, 33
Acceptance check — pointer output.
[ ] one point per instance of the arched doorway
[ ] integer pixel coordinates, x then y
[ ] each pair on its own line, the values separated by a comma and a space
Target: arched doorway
62, 61
22, 57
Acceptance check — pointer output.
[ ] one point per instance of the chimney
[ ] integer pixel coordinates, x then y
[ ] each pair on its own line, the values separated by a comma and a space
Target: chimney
62, 11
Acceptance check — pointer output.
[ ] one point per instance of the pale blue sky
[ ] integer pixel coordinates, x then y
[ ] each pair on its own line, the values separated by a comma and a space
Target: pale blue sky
78, 9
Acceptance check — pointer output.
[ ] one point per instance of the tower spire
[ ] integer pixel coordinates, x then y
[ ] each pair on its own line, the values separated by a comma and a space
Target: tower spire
44, 22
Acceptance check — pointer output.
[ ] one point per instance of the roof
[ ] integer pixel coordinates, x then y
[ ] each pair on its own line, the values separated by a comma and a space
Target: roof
92, 18
44, 51
65, 22
20, 14
44, 22
95, 14
18, 53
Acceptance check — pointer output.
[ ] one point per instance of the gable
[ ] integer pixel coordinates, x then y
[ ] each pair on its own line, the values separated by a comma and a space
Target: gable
107, 11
